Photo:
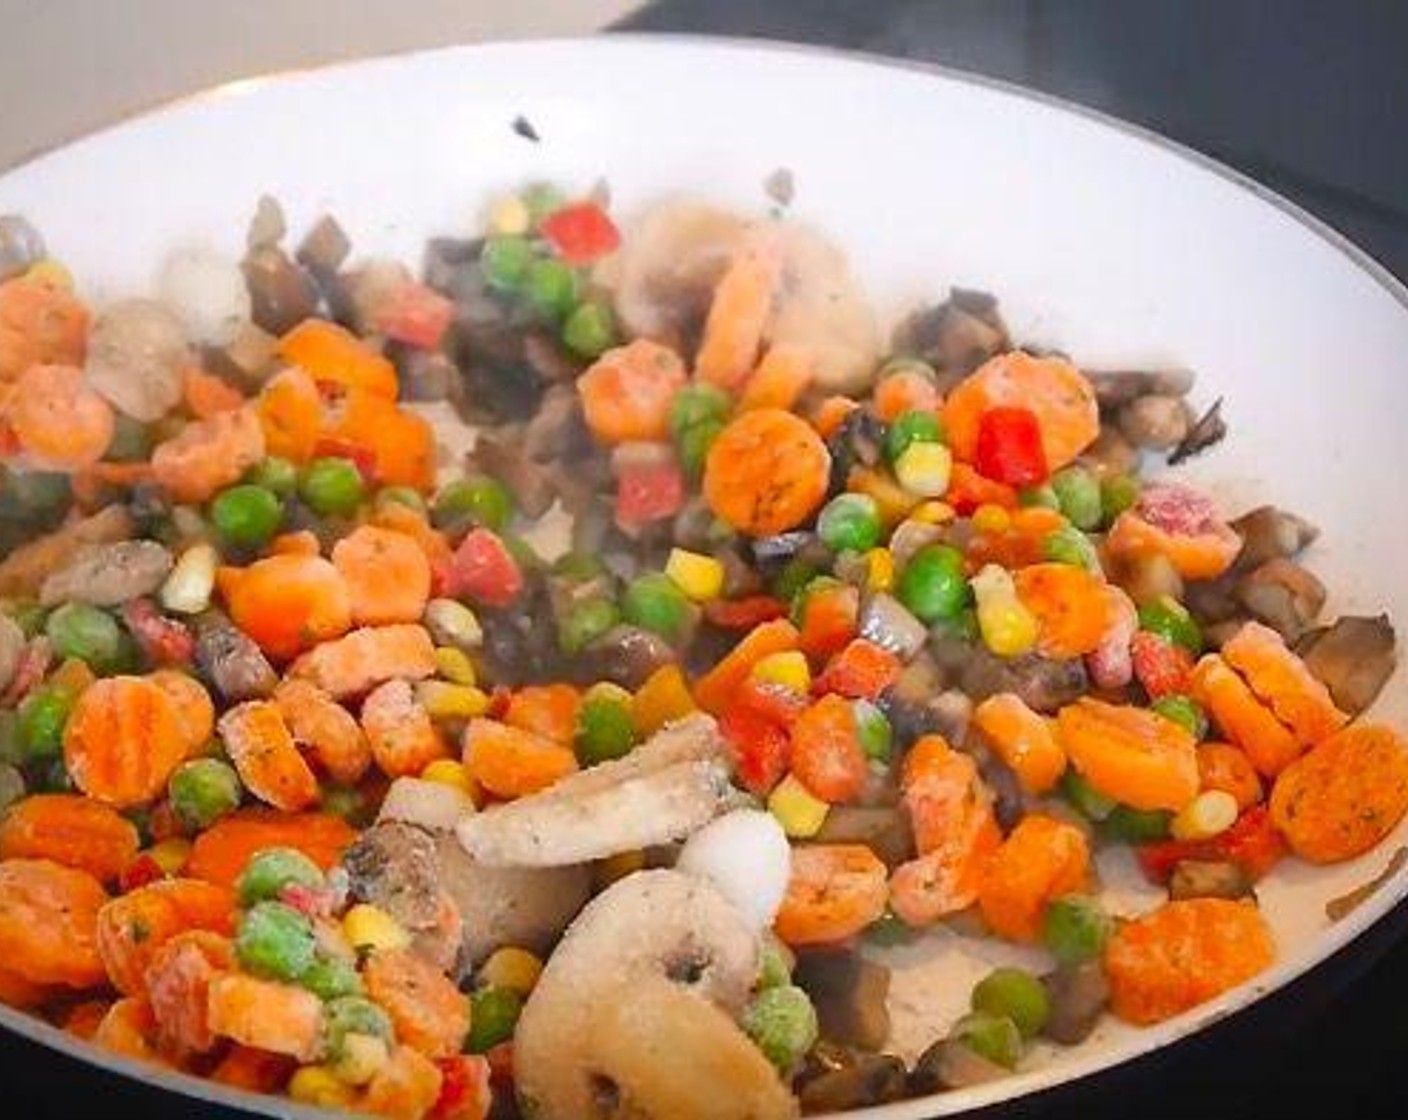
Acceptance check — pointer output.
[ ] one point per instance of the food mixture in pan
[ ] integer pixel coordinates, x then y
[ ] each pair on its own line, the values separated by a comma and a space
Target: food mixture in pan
590, 769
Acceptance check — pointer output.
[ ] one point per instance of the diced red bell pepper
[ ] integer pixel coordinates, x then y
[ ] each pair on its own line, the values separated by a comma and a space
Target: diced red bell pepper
829, 621
315, 902
465, 1093
1009, 447
649, 492
359, 455
140, 872
861, 671
415, 314
581, 232
758, 745
744, 614
777, 703
1252, 843
483, 569
163, 823
967, 490
1161, 667
162, 640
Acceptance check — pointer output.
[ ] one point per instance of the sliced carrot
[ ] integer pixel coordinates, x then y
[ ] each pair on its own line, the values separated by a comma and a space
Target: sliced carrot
967, 490
663, 698
59, 421
261, 746
386, 574
48, 920
208, 455
289, 603
826, 754
549, 710
1133, 755
404, 450
408, 1085
1344, 795
266, 1015
834, 892
715, 689
830, 414
332, 354
1072, 606
1202, 555
781, 378
132, 928
82, 1019
905, 391
626, 393
1025, 740
1058, 393
205, 394
300, 543
1225, 767
1241, 716
739, 312
291, 414
325, 728
194, 710
178, 985
129, 1029
1183, 954
259, 1071
16, 991
40, 324
220, 853
123, 740
766, 472
414, 524
404, 740
1281, 680
511, 762
365, 658
428, 1012
1041, 859
72, 830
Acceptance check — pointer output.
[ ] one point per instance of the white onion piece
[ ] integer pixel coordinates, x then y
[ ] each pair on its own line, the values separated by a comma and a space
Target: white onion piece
208, 292
746, 856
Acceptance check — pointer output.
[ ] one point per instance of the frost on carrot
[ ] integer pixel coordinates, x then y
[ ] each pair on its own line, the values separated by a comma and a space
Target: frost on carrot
289, 603
261, 746
402, 737
626, 393
133, 927
123, 741
327, 730
178, 985
1131, 754
60, 422
72, 830
511, 762
195, 712
40, 324
1041, 859
266, 1015
1072, 606
48, 921
220, 853
367, 657
766, 472
386, 574
427, 1011
834, 892
1025, 740
208, 455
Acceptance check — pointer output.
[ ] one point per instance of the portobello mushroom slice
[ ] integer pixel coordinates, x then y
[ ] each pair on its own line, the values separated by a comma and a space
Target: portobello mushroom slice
849, 994
1284, 595
1269, 533
1078, 995
1354, 657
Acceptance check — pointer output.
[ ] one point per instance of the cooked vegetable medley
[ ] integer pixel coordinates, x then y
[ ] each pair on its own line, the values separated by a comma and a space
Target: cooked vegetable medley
592, 773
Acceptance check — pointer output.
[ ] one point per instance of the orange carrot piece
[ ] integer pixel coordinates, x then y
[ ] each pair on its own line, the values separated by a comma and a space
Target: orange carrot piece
626, 393
1241, 717
428, 1012
386, 574
259, 1071
208, 455
834, 892
178, 985
59, 421
334, 355
1041, 859
300, 543
206, 394
905, 391
48, 918
784, 374
123, 740
1130, 754
291, 414
325, 728
72, 830
1225, 767
967, 490
16, 991
549, 710
404, 451
830, 414
262, 749
739, 312
414, 524
408, 1085
40, 324
663, 698
266, 1015
1071, 605
715, 688
1344, 795
367, 657
220, 853
129, 1029
766, 472
289, 603
1281, 681
195, 713
82, 1019
1183, 954
133, 927
1025, 740
1198, 556
404, 740
510, 762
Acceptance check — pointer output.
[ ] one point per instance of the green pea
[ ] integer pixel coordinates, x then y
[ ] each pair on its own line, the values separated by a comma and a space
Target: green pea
889, 929
694, 444
476, 500
493, 1013
1085, 798
695, 404
550, 288
1042, 496
590, 329
914, 426
346, 1015
131, 440
1075, 929
933, 585
1184, 711
87, 633
504, 262
330, 977
1078, 493
269, 871
204, 790
407, 496
775, 963
275, 474
542, 200
11, 748
849, 521
652, 601
1068, 545
604, 731
578, 566
1137, 826
347, 802
42, 716
246, 516
1013, 994
331, 486
874, 731
275, 941
994, 1037
783, 1023
1170, 620
584, 623
1118, 492
794, 578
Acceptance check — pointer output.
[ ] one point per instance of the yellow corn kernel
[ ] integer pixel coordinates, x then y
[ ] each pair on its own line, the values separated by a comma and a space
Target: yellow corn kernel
171, 855
1008, 628
700, 577
663, 698
788, 669
991, 519
443, 700
607, 690
318, 1085
362, 1057
608, 870
455, 666
512, 968
879, 570
509, 216
933, 513
1209, 814
923, 468
52, 272
799, 812
448, 772
370, 927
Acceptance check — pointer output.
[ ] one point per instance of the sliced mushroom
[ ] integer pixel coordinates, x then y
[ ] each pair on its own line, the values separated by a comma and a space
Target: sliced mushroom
1218, 634
650, 927
1284, 595
1117, 387
324, 248
1208, 430
1044, 684
230, 661
951, 1064
1213, 600
1146, 578
675, 782
628, 655
884, 829
1353, 658
865, 1080
1111, 452
1078, 995
1269, 533
849, 993
107, 575
957, 335
281, 294
1157, 421
530, 483
23, 572
918, 704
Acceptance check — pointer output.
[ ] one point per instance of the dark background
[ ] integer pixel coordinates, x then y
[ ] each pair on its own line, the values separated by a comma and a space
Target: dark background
1311, 98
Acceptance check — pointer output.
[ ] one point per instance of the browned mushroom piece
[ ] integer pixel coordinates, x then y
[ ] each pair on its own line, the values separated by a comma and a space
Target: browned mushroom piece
1044, 684
1157, 421
1078, 995
251, 357
628, 655
849, 993
1199, 878
884, 829
557, 430
1269, 533
888, 623
1146, 578
1208, 430
951, 1064
25, 569
107, 575
1111, 453
1213, 600
1353, 657
229, 660
859, 1082
504, 457
1218, 634
281, 293
324, 248
1117, 387
918, 704
956, 336
1284, 595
